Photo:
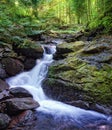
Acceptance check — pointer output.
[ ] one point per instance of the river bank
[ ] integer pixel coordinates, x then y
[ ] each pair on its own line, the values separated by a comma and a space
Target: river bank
79, 76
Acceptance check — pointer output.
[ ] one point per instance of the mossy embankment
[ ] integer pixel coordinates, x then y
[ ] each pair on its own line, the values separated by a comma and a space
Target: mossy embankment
84, 73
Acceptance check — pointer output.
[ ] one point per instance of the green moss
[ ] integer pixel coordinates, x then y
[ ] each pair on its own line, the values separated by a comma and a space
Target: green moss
99, 86
95, 83
51, 72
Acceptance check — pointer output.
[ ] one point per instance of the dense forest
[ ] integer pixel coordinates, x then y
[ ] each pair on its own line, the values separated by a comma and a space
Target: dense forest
55, 64
54, 14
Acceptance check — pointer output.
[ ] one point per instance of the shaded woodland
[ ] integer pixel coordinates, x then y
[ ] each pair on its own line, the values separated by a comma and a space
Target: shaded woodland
80, 69
57, 14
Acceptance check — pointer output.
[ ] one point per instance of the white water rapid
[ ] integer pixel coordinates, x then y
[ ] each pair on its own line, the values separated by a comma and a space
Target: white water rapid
32, 81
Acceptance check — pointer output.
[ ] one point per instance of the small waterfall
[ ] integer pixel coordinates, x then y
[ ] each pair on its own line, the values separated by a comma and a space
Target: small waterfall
61, 113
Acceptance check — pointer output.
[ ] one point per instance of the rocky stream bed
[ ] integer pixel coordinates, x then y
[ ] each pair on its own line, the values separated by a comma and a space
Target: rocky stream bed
80, 75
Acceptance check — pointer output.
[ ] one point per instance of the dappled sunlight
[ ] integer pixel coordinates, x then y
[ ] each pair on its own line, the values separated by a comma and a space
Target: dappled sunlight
56, 64
62, 14
16, 3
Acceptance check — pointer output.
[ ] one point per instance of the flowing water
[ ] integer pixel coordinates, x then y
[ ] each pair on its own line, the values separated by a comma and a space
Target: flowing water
54, 115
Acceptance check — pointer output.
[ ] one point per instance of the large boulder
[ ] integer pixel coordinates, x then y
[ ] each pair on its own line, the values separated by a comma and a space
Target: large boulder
58, 89
33, 51
84, 74
30, 52
12, 66
29, 63
23, 121
6, 50
64, 49
16, 105
20, 92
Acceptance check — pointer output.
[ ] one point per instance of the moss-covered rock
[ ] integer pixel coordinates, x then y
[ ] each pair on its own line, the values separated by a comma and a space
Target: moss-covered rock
81, 75
12, 66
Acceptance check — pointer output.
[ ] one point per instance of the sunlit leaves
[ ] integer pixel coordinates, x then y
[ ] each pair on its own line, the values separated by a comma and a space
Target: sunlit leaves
57, 13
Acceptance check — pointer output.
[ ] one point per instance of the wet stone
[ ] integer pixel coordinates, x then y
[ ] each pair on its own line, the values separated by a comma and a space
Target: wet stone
4, 121
16, 105
23, 121
20, 92
3, 85
12, 66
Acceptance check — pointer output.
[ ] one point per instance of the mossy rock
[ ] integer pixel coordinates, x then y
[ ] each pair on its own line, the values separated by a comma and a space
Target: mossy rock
83, 76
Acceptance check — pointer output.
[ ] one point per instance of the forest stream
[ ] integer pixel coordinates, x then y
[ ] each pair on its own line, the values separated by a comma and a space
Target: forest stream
52, 114
55, 64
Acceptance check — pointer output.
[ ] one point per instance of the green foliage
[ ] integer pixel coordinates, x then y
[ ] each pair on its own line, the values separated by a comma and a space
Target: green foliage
34, 15
102, 15
79, 8
27, 43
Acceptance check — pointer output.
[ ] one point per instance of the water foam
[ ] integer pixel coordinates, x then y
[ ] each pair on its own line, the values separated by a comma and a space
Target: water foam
32, 82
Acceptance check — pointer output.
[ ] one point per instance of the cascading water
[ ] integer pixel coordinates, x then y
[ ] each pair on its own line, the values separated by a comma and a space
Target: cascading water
65, 117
